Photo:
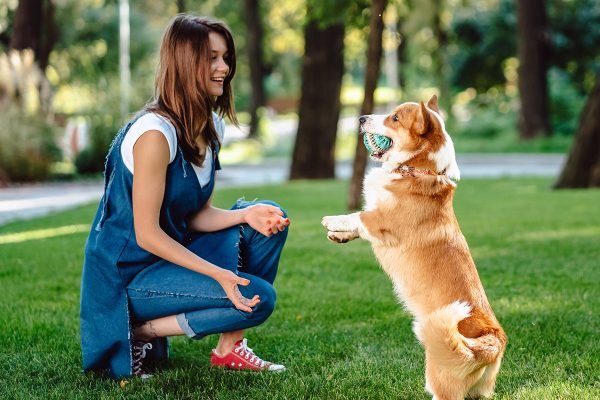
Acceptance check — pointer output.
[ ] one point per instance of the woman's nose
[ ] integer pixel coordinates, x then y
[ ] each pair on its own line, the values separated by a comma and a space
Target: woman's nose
222, 66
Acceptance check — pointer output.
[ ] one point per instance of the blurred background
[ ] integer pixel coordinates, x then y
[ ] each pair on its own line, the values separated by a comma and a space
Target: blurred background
512, 76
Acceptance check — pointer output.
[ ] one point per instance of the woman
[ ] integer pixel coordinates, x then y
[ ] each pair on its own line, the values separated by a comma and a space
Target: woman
160, 260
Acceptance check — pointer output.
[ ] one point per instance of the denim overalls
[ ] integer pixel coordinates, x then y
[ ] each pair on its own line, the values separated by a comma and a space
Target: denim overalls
123, 283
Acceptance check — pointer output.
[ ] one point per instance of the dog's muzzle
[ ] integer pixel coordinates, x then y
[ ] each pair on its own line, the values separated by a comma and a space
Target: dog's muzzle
375, 143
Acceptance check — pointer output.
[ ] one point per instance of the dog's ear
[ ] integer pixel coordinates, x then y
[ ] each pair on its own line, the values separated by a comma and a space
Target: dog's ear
424, 124
433, 104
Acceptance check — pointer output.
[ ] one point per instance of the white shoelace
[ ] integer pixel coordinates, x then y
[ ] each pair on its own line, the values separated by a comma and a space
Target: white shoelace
243, 350
139, 353
147, 346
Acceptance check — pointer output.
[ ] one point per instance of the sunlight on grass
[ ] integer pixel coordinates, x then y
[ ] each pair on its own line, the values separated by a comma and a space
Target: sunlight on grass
481, 252
552, 390
43, 233
558, 234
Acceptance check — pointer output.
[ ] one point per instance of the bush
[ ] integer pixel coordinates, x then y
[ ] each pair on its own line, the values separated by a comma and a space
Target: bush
566, 103
103, 130
28, 146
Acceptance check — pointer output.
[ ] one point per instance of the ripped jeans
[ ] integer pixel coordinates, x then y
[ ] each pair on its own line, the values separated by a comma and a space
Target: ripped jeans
198, 301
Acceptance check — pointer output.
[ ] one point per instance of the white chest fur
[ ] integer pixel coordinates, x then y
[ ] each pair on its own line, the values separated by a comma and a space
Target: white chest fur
374, 187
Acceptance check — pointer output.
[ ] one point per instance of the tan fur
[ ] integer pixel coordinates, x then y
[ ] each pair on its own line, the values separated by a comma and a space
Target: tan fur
415, 235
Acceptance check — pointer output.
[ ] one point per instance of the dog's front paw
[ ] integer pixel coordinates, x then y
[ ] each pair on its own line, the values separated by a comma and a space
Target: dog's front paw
339, 223
341, 237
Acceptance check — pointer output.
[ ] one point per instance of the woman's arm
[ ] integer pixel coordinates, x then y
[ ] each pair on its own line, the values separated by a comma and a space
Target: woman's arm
150, 160
264, 218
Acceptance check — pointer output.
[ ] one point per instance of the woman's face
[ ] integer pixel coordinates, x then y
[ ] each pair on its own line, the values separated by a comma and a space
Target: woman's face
218, 66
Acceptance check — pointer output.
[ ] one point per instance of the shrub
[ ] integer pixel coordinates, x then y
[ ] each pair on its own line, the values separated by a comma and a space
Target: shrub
102, 131
28, 146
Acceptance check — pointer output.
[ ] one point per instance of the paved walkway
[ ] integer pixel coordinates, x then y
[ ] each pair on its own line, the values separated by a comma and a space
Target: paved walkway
29, 201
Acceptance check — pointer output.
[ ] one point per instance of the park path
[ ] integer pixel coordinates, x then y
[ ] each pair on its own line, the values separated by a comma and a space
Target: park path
30, 201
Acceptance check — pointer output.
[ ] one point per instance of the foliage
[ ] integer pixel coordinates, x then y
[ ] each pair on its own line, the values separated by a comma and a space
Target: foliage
337, 325
574, 37
88, 49
103, 129
28, 146
566, 102
484, 38
7, 12
481, 54
348, 12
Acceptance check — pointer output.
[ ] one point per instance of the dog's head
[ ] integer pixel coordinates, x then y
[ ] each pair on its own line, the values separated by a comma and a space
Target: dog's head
414, 135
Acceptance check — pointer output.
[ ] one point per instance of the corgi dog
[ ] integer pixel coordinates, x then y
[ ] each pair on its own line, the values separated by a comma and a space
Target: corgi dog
409, 220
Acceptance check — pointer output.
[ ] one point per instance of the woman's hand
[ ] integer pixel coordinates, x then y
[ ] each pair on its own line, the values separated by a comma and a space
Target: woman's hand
230, 281
266, 219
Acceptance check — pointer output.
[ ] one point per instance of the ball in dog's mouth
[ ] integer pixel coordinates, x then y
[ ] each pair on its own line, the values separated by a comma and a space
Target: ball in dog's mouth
376, 144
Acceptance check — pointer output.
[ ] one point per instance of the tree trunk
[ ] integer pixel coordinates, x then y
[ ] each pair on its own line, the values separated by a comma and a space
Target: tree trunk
374, 52
35, 29
402, 52
533, 65
255, 60
440, 61
181, 6
582, 168
322, 70
27, 28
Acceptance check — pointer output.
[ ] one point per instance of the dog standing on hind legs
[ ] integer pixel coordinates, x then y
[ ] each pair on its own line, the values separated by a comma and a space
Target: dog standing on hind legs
409, 220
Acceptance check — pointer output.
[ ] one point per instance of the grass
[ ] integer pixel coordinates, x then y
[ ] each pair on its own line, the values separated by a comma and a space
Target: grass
337, 325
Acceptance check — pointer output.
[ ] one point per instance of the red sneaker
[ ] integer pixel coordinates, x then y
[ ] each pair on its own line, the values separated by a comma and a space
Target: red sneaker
243, 358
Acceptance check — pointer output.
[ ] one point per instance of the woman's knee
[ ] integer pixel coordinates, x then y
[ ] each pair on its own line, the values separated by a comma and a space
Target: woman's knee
267, 295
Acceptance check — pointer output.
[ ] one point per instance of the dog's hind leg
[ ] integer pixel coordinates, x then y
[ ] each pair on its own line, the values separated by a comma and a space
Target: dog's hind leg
484, 387
445, 384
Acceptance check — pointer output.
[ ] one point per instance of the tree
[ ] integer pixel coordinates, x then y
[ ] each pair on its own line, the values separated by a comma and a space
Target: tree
256, 63
533, 44
440, 64
322, 70
582, 168
374, 52
34, 29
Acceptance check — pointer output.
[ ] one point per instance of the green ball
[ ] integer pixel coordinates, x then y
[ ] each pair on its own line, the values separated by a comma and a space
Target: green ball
376, 143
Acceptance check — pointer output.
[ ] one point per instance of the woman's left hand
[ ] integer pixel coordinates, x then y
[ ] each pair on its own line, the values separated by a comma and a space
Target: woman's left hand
266, 219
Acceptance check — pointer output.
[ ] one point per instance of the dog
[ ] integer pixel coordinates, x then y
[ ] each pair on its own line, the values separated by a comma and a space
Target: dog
409, 220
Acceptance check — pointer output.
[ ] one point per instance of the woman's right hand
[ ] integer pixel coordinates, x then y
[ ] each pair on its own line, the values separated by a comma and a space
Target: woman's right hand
266, 219
230, 281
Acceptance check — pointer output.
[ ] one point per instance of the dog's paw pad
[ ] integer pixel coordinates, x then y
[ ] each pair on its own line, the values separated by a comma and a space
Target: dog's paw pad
340, 237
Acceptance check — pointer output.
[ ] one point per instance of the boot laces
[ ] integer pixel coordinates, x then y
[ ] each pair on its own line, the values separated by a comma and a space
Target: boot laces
139, 353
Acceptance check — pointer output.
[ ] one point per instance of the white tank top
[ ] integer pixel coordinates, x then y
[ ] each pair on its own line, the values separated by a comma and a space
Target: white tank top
153, 121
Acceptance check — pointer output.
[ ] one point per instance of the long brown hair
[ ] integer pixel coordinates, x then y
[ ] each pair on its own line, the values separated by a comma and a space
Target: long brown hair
181, 94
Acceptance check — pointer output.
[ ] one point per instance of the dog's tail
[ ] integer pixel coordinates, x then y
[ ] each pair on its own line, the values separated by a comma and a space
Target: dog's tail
447, 347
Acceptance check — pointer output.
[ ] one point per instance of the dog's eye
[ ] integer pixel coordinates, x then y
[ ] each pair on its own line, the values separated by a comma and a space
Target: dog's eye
395, 118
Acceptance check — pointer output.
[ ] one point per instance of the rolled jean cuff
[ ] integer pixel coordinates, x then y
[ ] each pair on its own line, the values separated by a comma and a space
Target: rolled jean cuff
184, 325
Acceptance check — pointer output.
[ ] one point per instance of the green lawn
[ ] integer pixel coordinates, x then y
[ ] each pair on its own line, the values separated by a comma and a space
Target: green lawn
337, 325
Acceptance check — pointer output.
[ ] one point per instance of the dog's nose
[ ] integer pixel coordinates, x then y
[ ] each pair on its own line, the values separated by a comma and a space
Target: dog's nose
362, 119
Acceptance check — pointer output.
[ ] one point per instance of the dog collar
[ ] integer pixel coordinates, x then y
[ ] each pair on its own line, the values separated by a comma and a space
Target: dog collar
407, 170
